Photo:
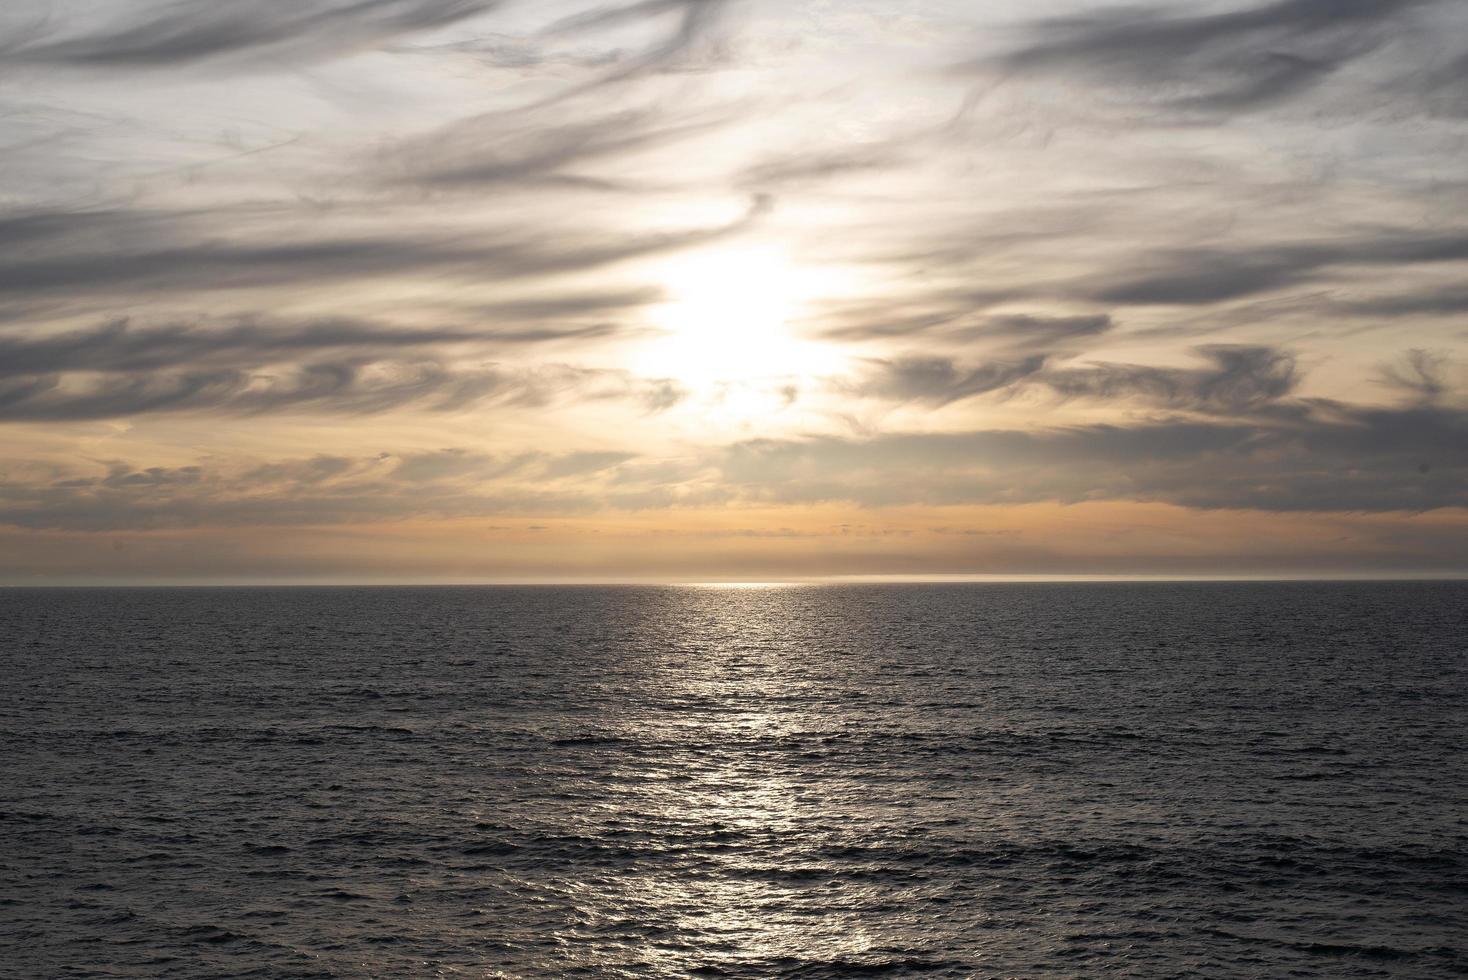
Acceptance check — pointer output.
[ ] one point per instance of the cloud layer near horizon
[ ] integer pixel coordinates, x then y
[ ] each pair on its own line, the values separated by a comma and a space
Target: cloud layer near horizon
664, 263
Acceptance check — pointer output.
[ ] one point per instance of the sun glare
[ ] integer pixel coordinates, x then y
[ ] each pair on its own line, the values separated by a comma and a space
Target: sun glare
727, 319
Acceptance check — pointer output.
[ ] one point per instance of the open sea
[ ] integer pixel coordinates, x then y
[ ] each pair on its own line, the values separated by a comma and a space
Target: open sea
1061, 780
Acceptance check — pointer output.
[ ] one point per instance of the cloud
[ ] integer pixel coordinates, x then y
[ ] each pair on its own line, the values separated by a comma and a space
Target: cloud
271, 32
1043, 332
1237, 380
694, 20
1226, 63
938, 380
577, 464
1426, 301
1327, 457
960, 317
492, 149
326, 386
335, 366
156, 252
350, 387
1420, 375
118, 347
602, 302
305, 472
1336, 459
323, 489
808, 167
1446, 88
1197, 276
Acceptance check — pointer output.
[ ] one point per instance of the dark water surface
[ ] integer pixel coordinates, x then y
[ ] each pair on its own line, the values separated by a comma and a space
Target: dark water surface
1225, 780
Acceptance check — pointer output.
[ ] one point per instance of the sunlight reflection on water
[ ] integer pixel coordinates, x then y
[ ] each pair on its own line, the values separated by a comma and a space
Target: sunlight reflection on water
741, 585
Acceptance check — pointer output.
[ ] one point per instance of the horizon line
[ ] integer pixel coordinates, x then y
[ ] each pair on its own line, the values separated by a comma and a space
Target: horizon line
751, 582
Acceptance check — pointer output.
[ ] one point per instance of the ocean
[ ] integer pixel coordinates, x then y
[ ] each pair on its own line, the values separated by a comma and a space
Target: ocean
1003, 780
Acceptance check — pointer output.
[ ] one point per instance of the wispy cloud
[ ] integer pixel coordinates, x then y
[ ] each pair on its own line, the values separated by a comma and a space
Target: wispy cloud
339, 387
1237, 381
70, 252
323, 489
693, 20
486, 150
1225, 62
1210, 275
938, 380
185, 32
117, 347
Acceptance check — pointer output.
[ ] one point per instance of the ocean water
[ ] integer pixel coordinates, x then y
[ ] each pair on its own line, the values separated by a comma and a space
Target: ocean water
1132, 780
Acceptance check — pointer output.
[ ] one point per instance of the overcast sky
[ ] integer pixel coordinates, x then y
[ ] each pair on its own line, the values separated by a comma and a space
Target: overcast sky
463, 290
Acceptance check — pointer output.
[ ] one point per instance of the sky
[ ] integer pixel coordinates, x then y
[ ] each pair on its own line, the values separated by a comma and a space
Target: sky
501, 290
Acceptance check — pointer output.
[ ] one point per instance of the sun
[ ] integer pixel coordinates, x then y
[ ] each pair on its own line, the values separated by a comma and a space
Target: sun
727, 318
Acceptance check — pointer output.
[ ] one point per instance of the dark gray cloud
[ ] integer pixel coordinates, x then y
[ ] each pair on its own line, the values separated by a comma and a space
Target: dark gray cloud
961, 317
885, 320
351, 387
938, 380
153, 252
568, 305
1200, 276
1031, 332
1446, 87
1225, 62
1425, 301
119, 347
193, 31
217, 266
1337, 459
342, 386
526, 55
324, 489
1237, 380
1420, 374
